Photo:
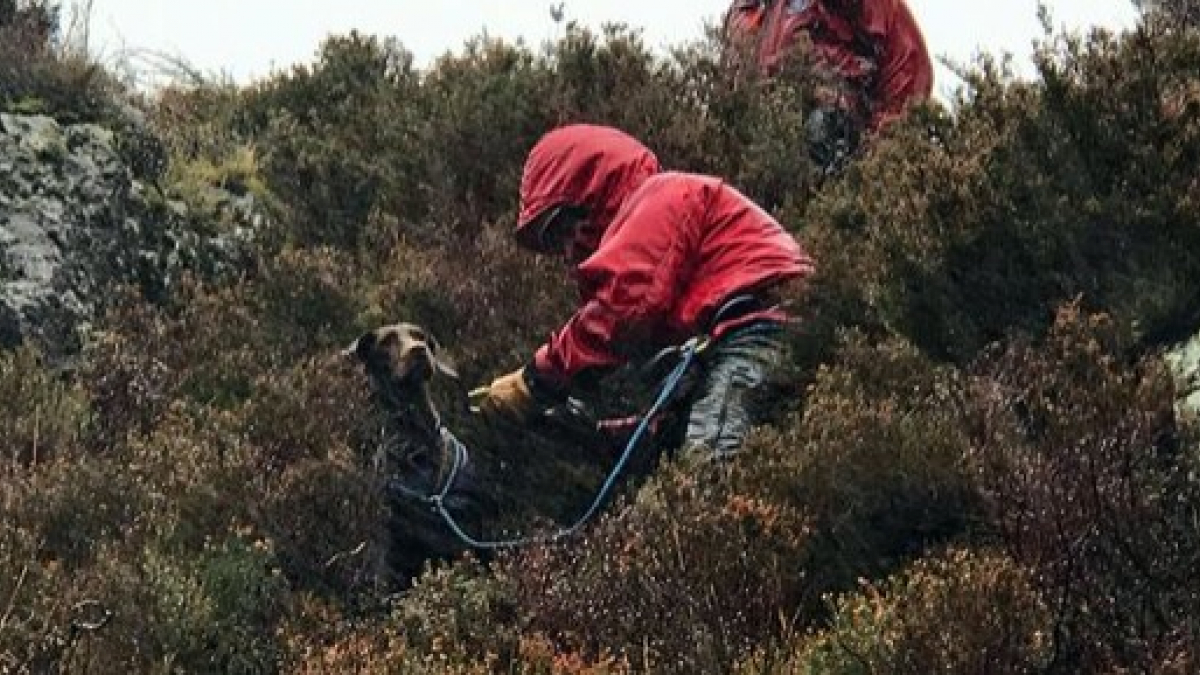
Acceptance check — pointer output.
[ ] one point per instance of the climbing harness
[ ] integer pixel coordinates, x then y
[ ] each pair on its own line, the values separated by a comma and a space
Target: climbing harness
687, 352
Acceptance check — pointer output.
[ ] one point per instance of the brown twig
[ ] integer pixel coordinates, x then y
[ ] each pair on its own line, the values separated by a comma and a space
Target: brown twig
337, 557
12, 600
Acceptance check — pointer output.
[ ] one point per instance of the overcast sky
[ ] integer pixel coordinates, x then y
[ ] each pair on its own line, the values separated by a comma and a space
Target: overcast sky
248, 39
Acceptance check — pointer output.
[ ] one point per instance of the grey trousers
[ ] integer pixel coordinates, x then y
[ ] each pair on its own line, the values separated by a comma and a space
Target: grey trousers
728, 399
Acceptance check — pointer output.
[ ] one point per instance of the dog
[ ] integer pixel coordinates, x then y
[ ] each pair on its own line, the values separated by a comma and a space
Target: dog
418, 458
418, 454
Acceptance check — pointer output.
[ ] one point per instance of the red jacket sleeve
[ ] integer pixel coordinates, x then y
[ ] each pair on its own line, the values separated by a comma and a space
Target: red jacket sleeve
630, 284
905, 71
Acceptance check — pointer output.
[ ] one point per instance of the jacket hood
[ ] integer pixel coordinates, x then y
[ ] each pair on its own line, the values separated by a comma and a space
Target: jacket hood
585, 165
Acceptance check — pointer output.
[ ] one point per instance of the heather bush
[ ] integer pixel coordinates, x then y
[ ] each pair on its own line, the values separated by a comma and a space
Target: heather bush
1092, 487
684, 579
66, 620
40, 74
205, 122
73, 507
481, 111
43, 415
465, 298
337, 140
958, 612
67, 526
318, 638
458, 614
209, 342
324, 521
316, 409
127, 371
146, 357
216, 610
874, 458
310, 427
307, 301
1177, 14
958, 231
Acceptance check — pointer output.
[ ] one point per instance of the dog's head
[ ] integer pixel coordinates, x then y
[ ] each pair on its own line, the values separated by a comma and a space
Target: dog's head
401, 353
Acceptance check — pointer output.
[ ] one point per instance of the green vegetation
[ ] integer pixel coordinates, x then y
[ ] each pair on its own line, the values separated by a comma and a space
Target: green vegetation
977, 466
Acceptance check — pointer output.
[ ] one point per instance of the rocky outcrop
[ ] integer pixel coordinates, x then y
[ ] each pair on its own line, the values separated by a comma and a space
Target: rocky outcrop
1184, 360
74, 221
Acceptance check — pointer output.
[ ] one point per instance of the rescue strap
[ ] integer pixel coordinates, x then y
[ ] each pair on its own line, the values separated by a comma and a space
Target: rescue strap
688, 352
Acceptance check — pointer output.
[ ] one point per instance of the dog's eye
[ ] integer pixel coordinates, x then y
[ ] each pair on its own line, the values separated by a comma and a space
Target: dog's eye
419, 335
388, 340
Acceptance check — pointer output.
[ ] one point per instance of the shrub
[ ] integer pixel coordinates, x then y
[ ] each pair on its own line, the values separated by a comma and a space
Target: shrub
317, 639
958, 231
338, 141
215, 612
325, 522
40, 74
1179, 14
304, 302
316, 409
960, 612
43, 415
482, 111
128, 372
68, 620
207, 122
685, 579
465, 298
73, 508
144, 357
211, 342
73, 599
875, 459
458, 614
1093, 487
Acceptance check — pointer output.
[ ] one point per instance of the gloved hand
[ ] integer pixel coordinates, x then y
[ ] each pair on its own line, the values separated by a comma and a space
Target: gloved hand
507, 397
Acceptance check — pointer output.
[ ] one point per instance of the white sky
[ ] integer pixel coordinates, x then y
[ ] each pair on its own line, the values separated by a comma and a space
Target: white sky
248, 39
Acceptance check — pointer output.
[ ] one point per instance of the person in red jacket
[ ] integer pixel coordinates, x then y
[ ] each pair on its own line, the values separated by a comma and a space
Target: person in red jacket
873, 49
658, 257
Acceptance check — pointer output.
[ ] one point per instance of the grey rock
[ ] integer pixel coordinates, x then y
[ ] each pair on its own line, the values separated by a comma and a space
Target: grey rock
75, 220
1184, 360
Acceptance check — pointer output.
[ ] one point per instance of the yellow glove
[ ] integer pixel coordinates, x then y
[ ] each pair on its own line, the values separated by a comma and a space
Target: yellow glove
506, 397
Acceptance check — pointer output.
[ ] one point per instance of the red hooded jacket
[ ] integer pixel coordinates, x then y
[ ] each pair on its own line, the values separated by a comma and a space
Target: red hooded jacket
875, 46
663, 249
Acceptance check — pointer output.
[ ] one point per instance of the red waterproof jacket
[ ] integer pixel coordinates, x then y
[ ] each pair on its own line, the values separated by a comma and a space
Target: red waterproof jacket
875, 46
663, 250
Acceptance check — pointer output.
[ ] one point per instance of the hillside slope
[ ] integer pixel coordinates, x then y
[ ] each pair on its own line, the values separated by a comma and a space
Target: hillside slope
978, 463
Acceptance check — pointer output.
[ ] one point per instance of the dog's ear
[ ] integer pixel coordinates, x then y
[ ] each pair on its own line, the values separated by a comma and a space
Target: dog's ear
441, 362
361, 348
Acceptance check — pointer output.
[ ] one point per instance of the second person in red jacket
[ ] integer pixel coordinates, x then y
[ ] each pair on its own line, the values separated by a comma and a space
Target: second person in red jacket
658, 257
872, 51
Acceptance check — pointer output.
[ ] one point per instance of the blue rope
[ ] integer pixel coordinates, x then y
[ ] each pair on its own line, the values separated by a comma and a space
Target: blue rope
688, 352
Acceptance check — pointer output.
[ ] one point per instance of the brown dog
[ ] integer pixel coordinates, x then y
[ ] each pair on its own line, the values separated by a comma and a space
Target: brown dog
400, 361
